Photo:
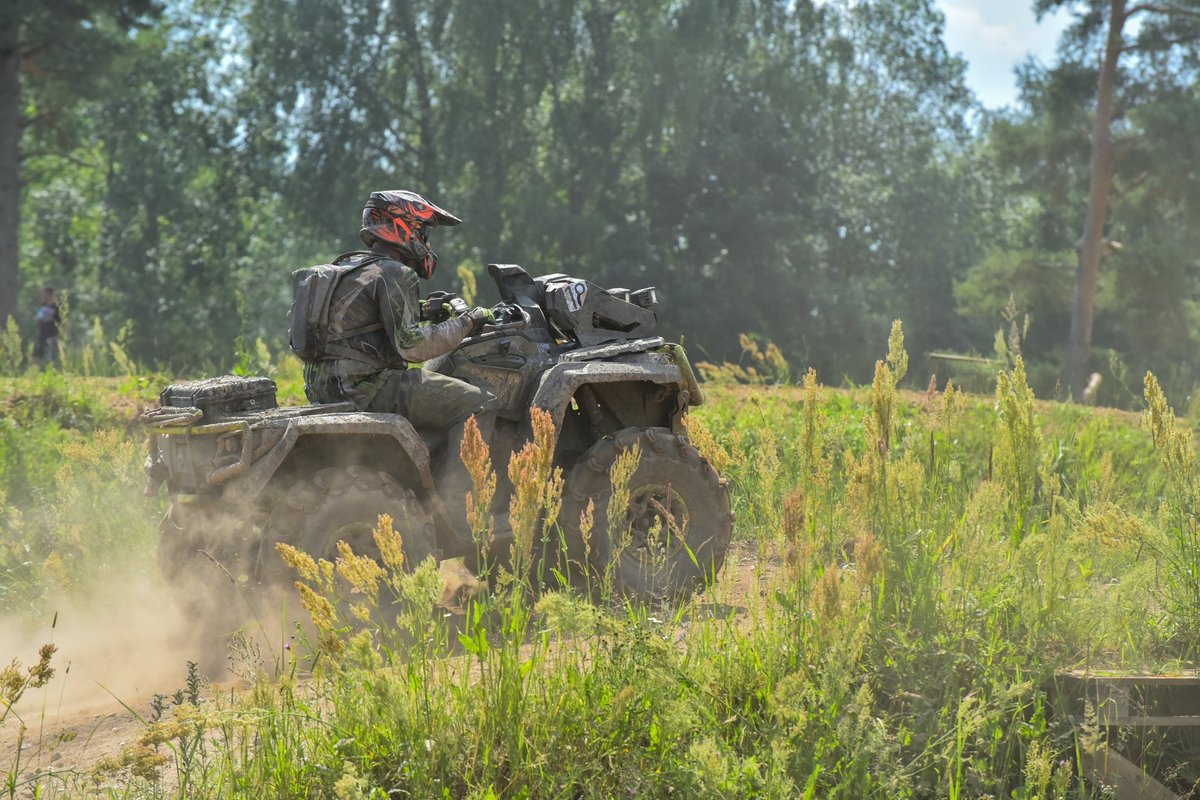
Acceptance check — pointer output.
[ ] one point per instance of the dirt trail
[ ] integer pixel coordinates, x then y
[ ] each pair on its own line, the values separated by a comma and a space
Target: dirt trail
114, 654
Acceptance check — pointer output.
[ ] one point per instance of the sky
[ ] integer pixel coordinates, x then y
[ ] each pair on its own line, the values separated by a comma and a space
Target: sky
994, 36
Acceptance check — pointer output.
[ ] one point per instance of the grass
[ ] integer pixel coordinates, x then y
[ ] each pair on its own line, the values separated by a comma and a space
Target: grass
925, 563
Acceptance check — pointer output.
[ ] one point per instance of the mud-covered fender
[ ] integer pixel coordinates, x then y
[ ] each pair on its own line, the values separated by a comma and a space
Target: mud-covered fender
250, 484
559, 383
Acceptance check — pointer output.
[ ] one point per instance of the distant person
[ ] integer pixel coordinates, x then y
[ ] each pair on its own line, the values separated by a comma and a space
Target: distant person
45, 346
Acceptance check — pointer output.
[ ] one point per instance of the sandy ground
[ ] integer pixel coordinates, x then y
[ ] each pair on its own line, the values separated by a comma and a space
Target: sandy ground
113, 656
112, 661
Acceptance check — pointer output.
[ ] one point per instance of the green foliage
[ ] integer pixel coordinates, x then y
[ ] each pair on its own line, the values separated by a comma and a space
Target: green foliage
924, 562
1147, 298
1018, 451
56, 56
898, 649
70, 505
857, 195
799, 170
13, 354
469, 286
625, 137
1038, 283
254, 359
1177, 451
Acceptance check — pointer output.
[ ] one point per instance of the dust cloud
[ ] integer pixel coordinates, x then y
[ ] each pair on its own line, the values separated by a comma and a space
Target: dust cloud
126, 643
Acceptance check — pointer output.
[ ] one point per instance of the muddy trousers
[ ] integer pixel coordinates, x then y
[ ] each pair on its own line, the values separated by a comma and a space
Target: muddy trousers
434, 402
428, 400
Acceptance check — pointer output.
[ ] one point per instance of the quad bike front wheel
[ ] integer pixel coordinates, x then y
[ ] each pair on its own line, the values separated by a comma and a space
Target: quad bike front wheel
344, 504
675, 530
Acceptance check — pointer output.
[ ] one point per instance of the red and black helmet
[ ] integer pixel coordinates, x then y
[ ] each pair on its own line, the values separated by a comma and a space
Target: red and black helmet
401, 221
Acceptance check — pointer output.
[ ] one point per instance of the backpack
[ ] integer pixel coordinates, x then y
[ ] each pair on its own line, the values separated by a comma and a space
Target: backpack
312, 293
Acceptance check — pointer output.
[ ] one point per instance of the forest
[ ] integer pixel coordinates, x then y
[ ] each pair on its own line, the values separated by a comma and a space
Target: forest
921, 579
799, 172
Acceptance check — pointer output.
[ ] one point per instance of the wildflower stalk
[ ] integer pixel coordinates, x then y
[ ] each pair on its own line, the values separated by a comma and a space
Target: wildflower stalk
620, 527
476, 457
1018, 441
814, 465
537, 493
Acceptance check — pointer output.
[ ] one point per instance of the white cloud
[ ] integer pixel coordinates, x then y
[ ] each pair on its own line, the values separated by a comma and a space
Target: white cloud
994, 37
966, 23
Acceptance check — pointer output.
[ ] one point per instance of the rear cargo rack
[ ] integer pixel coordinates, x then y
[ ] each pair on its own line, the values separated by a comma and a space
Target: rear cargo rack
171, 417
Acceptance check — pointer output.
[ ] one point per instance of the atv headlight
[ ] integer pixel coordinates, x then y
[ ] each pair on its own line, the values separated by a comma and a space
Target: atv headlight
646, 298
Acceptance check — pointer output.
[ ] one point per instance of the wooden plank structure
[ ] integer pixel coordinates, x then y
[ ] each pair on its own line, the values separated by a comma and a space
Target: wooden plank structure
1120, 704
1104, 766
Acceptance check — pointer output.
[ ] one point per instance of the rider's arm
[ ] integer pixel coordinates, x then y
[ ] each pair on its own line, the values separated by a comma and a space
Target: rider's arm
400, 311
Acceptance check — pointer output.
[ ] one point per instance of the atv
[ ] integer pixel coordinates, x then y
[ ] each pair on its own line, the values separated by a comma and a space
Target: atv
245, 474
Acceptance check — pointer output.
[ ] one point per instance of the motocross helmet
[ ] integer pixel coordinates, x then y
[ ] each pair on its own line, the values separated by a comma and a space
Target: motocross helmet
401, 221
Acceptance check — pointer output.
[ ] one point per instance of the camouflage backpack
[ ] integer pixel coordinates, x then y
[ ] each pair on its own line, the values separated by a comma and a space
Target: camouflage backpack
312, 293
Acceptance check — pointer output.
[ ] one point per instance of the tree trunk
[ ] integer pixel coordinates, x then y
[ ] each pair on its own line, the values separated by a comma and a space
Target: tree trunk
10, 167
493, 163
1092, 244
416, 55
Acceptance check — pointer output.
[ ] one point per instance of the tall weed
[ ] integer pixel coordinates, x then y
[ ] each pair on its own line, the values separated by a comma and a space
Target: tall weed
1181, 552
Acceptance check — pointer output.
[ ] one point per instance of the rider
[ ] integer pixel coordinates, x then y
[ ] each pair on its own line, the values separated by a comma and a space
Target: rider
381, 376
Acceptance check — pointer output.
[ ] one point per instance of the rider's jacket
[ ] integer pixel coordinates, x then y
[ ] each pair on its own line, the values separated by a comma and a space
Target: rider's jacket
385, 292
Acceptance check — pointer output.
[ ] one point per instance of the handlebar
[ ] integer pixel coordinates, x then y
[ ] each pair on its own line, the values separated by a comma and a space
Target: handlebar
508, 310
493, 329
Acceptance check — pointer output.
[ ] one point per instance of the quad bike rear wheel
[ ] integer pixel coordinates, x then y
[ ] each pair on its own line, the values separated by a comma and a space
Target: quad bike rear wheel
344, 504
199, 562
676, 529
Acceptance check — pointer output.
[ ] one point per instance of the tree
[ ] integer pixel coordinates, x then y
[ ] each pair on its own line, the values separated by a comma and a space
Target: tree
50, 53
764, 163
794, 169
1163, 26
